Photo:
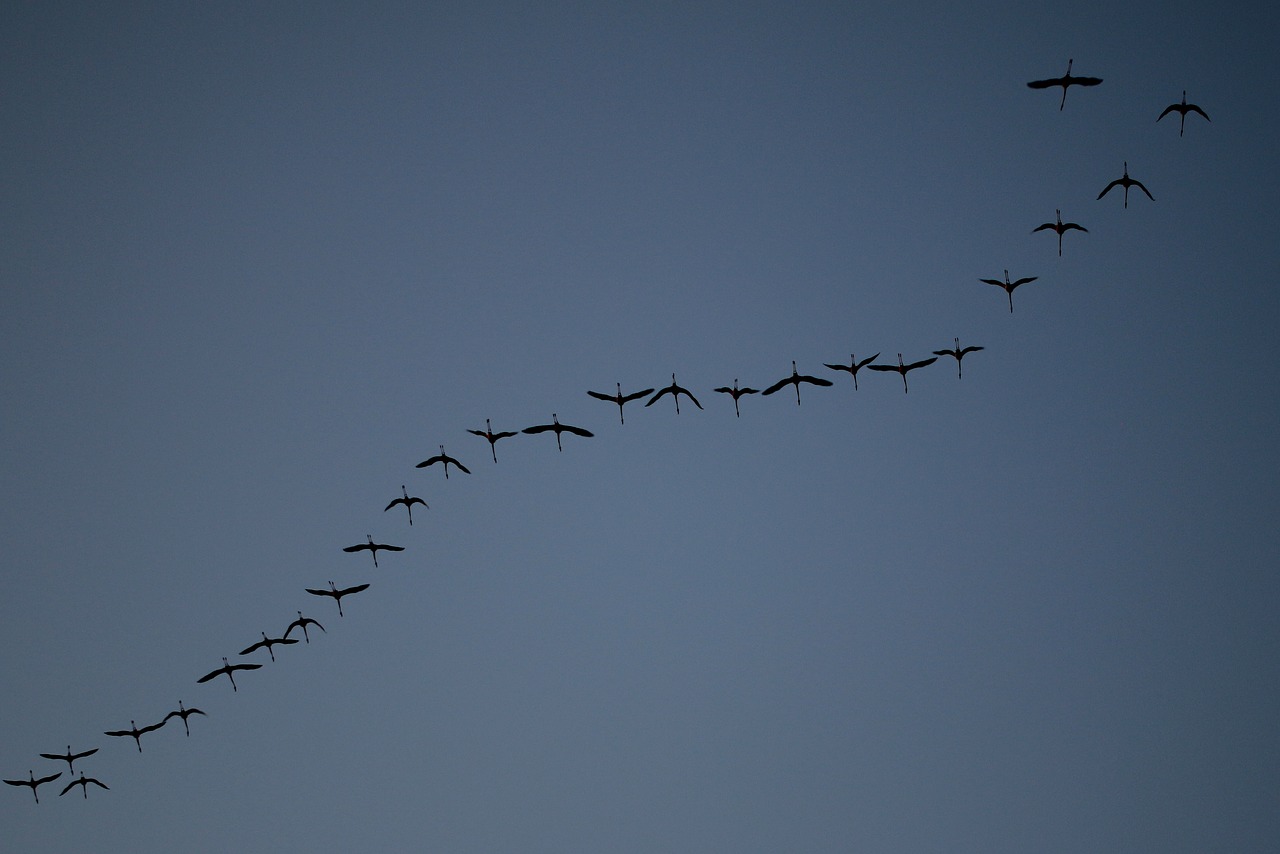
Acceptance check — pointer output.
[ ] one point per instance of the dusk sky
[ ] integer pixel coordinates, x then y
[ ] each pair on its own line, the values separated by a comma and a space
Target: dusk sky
261, 259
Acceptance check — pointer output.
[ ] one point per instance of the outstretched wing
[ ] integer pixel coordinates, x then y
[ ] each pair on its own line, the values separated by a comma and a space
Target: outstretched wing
204, 678
804, 378
438, 458
883, 367
919, 364
1140, 186
1086, 81
1042, 227
1023, 281
627, 398
1192, 108
358, 548
598, 395
969, 349
347, 590
1045, 84
460, 466
777, 386
668, 390
262, 643
1067, 226
577, 431
1115, 183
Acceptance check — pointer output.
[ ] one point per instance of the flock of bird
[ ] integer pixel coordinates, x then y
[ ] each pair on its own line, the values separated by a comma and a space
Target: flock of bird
795, 379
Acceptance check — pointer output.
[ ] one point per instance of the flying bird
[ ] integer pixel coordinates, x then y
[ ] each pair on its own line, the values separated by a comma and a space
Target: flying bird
228, 669
137, 732
493, 437
373, 547
184, 713
736, 393
675, 391
83, 783
795, 379
958, 354
558, 428
69, 757
442, 457
1064, 81
268, 643
407, 501
1182, 109
33, 782
336, 593
1126, 182
1060, 227
854, 366
902, 369
1008, 285
620, 398
302, 623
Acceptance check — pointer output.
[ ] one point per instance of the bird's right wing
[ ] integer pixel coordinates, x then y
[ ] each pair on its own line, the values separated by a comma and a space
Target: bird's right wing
259, 644
653, 399
776, 386
538, 428
1024, 281
355, 589
600, 396
627, 398
1114, 183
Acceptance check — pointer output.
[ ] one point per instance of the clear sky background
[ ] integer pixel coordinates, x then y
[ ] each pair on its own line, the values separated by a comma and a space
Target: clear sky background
259, 260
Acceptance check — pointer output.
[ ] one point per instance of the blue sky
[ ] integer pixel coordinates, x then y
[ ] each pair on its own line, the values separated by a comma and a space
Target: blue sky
260, 261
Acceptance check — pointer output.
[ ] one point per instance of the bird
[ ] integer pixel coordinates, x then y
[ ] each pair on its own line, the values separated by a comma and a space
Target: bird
137, 732
736, 393
69, 757
1126, 182
33, 782
442, 457
1008, 285
1059, 227
853, 367
336, 593
795, 379
407, 502
373, 547
302, 623
620, 398
83, 783
1183, 109
675, 391
184, 713
268, 643
1064, 81
902, 369
558, 428
958, 354
228, 669
493, 437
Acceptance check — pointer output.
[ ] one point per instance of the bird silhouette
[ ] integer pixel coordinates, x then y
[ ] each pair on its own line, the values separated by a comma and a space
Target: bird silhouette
903, 369
407, 501
1008, 285
33, 782
958, 354
853, 367
228, 669
184, 713
675, 391
69, 757
493, 437
336, 593
137, 732
1182, 109
1060, 227
795, 379
302, 623
736, 393
83, 783
1064, 81
620, 398
373, 547
267, 643
442, 457
1126, 182
558, 428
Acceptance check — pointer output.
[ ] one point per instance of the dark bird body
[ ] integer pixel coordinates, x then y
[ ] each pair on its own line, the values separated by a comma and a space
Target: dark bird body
33, 782
184, 713
958, 354
1009, 286
83, 783
1126, 182
267, 643
736, 393
903, 369
1064, 81
853, 367
675, 391
228, 669
493, 437
336, 593
442, 457
1060, 227
795, 379
1182, 110
408, 501
373, 547
620, 398
69, 757
302, 623
558, 428
137, 732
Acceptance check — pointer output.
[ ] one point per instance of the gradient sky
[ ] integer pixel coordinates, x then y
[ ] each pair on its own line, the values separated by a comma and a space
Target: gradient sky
261, 259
